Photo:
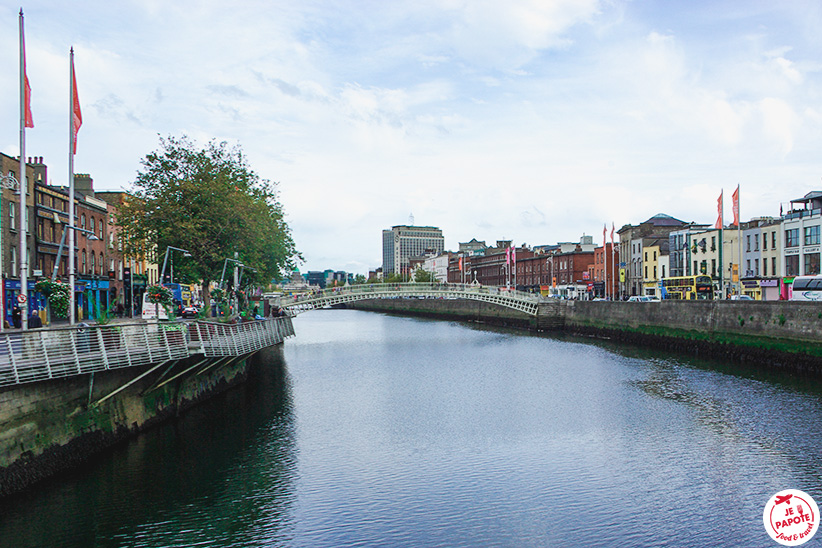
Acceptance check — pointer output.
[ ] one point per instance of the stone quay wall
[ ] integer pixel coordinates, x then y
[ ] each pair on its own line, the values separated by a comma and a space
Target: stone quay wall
781, 335
50, 426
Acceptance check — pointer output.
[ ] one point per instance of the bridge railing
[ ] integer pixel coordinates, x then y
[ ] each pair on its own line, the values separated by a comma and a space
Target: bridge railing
42, 354
413, 289
526, 302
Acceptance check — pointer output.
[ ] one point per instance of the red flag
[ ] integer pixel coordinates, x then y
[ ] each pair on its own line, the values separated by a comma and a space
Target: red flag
514, 255
719, 210
612, 234
735, 197
507, 255
604, 231
29, 119
75, 107
460, 264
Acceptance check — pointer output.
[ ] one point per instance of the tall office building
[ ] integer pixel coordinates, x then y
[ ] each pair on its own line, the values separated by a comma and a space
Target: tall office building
401, 243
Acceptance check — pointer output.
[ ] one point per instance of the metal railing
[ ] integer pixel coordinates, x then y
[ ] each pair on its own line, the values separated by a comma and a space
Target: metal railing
218, 339
518, 300
42, 354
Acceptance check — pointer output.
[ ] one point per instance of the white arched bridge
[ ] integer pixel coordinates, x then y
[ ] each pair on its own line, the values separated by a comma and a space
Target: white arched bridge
517, 300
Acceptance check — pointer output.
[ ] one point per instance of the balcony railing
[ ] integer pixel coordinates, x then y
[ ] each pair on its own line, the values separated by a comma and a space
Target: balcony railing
43, 354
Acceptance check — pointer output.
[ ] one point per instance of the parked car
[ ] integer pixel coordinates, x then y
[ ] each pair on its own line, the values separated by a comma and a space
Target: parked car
741, 298
642, 299
190, 312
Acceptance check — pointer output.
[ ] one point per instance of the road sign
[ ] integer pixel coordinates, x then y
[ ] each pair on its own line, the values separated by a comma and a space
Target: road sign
21, 298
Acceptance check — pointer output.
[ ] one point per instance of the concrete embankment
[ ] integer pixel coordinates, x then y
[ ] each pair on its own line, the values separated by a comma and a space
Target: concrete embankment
784, 336
50, 426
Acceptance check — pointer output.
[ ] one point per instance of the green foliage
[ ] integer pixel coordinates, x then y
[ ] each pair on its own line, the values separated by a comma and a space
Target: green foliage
159, 295
57, 294
423, 276
781, 319
359, 279
208, 201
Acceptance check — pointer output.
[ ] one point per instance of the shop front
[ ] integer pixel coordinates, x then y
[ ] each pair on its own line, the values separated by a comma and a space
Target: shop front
92, 297
11, 297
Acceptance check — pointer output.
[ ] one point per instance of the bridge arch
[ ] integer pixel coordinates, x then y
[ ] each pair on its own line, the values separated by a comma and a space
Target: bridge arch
517, 300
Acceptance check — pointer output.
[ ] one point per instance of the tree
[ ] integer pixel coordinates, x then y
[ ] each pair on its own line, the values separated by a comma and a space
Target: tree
210, 202
423, 276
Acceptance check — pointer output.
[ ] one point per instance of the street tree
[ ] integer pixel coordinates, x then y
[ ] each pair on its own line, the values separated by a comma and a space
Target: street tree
209, 202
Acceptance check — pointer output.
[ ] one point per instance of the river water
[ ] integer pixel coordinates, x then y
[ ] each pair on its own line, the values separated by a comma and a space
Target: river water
376, 430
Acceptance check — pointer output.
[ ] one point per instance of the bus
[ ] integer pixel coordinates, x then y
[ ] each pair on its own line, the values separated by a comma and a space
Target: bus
180, 296
806, 288
688, 288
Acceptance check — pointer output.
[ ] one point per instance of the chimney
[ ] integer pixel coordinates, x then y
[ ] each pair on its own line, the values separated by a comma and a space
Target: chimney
40, 170
84, 184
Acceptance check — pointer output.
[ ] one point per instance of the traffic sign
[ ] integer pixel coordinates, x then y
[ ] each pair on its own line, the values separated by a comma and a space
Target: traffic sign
21, 298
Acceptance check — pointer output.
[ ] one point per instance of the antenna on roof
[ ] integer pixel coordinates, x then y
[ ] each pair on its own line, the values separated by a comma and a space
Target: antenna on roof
411, 219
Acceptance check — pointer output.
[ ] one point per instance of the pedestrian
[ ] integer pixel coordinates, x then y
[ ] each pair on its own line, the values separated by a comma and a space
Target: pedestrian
35, 321
17, 317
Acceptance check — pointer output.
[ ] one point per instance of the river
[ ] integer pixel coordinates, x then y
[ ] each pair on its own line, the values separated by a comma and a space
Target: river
376, 430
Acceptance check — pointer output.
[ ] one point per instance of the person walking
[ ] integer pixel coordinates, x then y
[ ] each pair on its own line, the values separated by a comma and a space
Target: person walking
35, 321
17, 317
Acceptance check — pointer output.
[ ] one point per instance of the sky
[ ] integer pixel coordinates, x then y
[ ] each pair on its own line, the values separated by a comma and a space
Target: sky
534, 121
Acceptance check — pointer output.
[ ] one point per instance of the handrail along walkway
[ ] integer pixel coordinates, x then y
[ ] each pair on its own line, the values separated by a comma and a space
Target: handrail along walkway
42, 354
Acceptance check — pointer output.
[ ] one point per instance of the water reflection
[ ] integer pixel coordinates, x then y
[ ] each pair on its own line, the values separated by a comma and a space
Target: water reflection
391, 431
221, 475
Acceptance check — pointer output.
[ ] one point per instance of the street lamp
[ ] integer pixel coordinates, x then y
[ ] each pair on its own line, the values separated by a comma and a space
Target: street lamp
225, 263
165, 260
91, 237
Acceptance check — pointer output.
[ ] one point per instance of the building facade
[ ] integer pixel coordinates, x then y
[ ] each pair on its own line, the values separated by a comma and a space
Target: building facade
402, 242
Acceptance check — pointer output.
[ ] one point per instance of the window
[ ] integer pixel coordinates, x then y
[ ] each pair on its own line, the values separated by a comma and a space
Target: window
713, 267
748, 243
764, 264
12, 211
792, 239
792, 265
773, 267
13, 261
91, 224
756, 242
773, 239
812, 235
84, 262
811, 263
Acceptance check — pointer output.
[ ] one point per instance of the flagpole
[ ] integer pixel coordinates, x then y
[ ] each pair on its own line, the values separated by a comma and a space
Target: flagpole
739, 242
614, 293
71, 253
721, 243
23, 185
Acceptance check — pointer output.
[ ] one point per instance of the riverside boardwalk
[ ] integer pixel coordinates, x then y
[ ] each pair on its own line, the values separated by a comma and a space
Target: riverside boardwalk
68, 392
64, 351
